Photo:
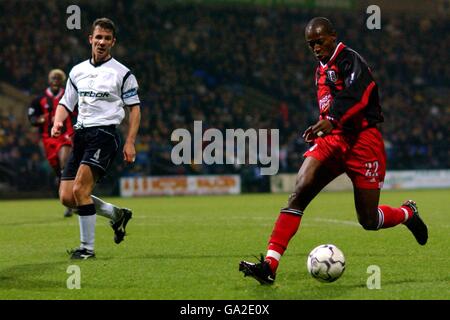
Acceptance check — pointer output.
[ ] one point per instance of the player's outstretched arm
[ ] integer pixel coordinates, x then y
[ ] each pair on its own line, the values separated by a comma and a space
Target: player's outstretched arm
129, 150
60, 115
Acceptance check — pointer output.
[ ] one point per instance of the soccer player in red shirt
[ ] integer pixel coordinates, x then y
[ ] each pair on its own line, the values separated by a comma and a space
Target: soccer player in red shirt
345, 139
41, 114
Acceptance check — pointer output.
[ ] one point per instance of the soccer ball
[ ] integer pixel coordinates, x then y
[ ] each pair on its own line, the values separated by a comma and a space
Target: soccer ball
326, 263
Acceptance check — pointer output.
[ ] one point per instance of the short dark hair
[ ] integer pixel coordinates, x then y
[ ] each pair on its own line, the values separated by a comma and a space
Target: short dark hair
326, 24
104, 23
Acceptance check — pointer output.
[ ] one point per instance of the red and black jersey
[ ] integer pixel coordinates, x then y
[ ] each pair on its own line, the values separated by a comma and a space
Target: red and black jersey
346, 92
45, 105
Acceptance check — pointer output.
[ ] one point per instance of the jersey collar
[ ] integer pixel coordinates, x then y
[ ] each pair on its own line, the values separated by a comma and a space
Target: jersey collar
336, 52
98, 64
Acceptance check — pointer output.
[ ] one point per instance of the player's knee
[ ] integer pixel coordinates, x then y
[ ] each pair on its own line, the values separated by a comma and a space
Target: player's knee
368, 224
67, 199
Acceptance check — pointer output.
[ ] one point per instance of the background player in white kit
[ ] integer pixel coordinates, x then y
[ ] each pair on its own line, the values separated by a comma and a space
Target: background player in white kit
102, 87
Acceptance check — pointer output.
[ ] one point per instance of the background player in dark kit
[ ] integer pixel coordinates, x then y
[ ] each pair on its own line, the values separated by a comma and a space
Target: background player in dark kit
41, 114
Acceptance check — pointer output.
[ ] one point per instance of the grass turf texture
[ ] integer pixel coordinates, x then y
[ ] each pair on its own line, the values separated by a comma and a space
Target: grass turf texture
181, 248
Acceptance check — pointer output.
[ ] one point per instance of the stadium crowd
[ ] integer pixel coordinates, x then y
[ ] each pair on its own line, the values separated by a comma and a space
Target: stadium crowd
197, 62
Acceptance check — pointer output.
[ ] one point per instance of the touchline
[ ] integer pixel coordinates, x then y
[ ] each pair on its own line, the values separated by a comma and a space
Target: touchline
237, 147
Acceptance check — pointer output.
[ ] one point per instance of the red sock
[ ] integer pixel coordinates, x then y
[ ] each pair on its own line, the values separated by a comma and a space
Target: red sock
285, 228
389, 217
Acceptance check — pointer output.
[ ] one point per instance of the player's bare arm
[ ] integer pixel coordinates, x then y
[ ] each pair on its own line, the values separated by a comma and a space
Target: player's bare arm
322, 127
129, 150
60, 115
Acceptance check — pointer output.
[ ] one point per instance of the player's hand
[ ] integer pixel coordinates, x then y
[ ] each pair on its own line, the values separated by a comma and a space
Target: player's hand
129, 153
308, 135
321, 128
56, 129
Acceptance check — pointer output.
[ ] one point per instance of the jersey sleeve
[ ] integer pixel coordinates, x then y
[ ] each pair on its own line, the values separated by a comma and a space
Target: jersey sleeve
70, 98
358, 86
130, 90
34, 112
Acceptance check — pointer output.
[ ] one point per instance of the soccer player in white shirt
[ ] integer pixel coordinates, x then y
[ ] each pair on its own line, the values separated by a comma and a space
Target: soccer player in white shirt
102, 87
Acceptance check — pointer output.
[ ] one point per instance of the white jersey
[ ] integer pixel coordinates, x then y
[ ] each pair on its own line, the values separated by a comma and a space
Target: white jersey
101, 92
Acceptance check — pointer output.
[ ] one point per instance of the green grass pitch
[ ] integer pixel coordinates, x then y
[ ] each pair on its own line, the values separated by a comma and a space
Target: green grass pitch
188, 248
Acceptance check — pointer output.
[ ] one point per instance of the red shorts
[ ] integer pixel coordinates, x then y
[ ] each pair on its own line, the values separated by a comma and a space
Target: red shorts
52, 147
362, 157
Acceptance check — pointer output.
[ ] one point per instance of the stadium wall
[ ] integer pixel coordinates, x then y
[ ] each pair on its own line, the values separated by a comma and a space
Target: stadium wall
405, 179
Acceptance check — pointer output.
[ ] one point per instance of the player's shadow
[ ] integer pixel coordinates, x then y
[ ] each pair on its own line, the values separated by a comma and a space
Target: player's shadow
326, 291
31, 276
35, 276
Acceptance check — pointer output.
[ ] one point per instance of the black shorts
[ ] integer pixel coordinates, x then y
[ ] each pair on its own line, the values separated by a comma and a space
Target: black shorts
94, 146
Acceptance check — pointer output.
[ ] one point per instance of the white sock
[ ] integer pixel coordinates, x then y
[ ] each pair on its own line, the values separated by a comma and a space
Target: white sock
87, 231
105, 209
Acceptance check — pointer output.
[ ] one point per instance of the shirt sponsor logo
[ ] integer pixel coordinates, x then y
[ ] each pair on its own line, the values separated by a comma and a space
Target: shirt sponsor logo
93, 94
325, 102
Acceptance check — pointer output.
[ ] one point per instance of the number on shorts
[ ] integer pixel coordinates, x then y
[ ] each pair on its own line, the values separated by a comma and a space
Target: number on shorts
372, 169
